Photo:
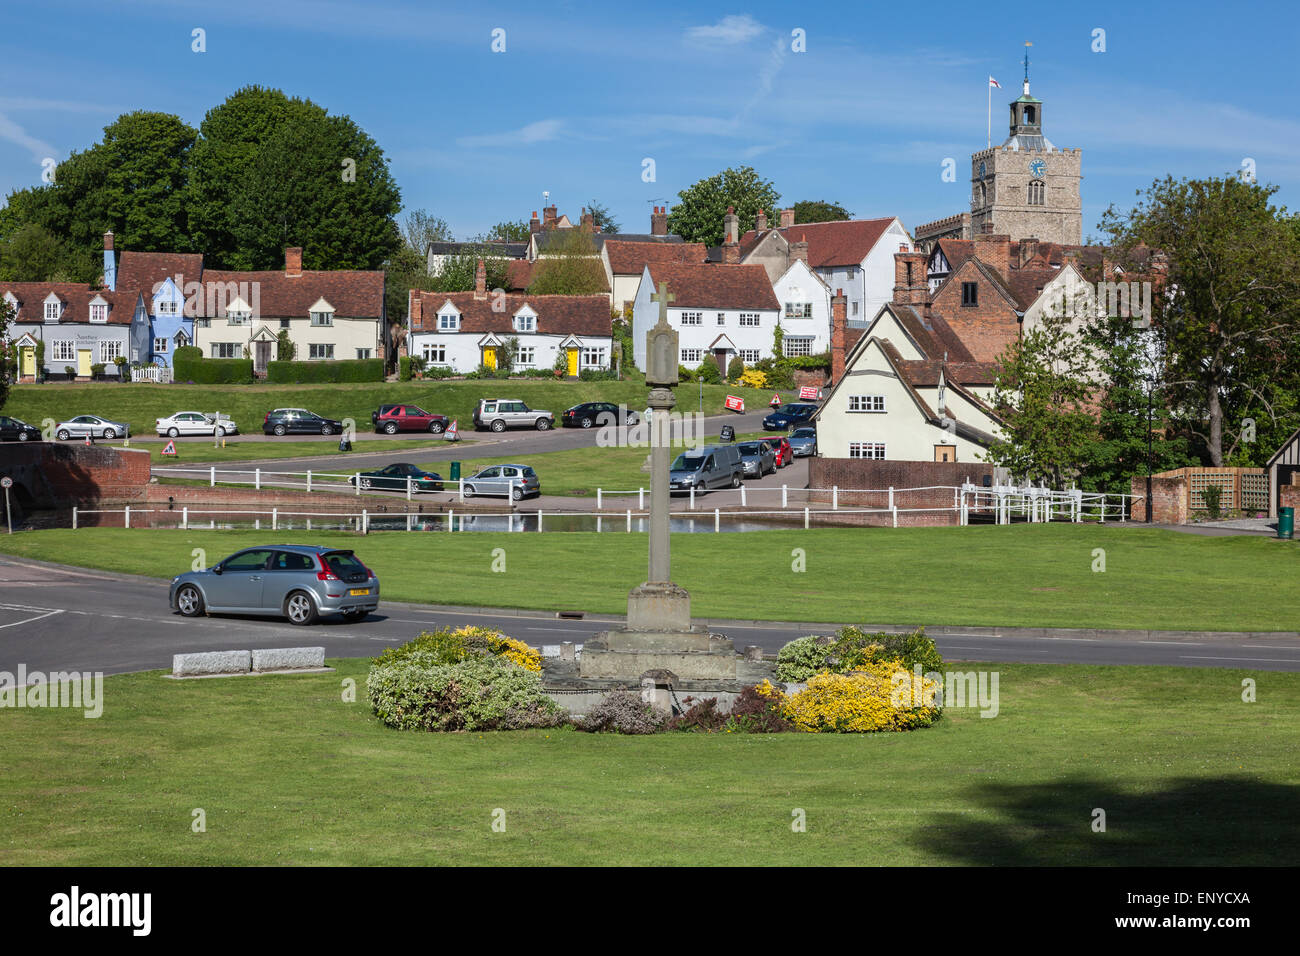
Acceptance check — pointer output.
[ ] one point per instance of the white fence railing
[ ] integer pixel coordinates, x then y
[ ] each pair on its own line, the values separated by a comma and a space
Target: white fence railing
161, 374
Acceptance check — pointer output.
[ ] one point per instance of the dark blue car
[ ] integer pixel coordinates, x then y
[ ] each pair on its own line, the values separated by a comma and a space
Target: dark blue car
794, 413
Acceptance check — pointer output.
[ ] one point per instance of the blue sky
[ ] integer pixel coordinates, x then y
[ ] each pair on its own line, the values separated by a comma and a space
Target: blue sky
584, 92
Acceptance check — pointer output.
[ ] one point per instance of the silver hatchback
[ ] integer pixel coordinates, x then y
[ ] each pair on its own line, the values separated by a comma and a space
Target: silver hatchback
300, 582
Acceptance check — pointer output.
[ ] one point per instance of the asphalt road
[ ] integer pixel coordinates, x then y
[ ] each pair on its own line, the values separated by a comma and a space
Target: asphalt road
60, 618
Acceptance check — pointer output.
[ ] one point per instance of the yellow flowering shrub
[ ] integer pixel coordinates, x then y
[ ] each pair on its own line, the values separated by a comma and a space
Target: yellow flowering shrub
753, 378
869, 699
448, 647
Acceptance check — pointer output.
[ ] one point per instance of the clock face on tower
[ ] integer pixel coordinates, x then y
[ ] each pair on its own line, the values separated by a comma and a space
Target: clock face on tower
1037, 168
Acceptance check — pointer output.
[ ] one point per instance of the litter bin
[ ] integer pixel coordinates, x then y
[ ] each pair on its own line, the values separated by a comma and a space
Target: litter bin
455, 471
728, 433
344, 444
1285, 522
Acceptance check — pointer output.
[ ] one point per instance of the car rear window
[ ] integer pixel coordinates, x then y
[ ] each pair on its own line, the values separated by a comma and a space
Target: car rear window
343, 562
528, 472
751, 448
291, 561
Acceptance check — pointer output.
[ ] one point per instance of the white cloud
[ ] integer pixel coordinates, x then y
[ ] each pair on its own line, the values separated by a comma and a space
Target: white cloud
729, 30
11, 131
540, 132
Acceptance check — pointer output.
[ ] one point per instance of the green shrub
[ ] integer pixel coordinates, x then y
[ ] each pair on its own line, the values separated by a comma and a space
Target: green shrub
444, 371
853, 648
477, 693
752, 712
404, 368
189, 365
597, 375
622, 712
1211, 494
709, 370
342, 370
735, 369
187, 353
801, 658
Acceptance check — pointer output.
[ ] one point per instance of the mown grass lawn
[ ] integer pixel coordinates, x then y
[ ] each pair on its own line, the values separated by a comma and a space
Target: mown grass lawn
140, 405
286, 772
1017, 575
191, 452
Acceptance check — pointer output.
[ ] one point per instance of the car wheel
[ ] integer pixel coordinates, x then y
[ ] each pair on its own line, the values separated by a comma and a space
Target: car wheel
173, 432
365, 482
437, 428
391, 428
543, 424
23, 436
219, 432
109, 434
62, 434
498, 426
469, 491
279, 430
327, 429
189, 601
735, 481
586, 423
517, 494
631, 418
299, 608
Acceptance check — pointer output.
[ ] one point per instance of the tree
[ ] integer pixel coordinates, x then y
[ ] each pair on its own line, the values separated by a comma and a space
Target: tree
285, 349
602, 218
1229, 321
6, 316
701, 207
570, 266
269, 172
34, 254
1041, 392
516, 231
421, 228
458, 271
818, 210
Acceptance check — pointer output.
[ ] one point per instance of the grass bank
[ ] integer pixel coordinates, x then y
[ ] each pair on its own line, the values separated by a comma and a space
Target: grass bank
1018, 575
288, 773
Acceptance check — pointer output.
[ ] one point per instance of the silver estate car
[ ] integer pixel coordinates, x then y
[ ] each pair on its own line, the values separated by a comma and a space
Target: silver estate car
300, 582
513, 481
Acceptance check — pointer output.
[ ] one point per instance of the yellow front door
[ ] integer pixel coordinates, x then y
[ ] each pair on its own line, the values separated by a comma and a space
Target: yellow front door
83, 362
28, 361
490, 357
573, 361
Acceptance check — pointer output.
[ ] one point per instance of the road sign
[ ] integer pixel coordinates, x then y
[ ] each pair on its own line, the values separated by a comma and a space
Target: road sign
776, 401
169, 448
6, 482
453, 431
735, 404
808, 393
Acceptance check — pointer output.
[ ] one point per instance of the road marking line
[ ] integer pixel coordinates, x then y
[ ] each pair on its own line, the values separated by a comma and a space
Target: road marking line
1263, 660
30, 620
1176, 643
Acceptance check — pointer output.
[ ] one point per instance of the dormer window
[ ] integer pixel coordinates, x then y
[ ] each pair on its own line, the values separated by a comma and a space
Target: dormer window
167, 307
525, 322
322, 313
53, 308
239, 317
448, 321
98, 310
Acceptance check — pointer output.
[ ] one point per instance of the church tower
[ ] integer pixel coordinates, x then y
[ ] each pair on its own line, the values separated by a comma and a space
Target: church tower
1026, 188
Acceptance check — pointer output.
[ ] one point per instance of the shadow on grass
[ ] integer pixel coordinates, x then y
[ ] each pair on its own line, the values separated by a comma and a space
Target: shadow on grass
1220, 821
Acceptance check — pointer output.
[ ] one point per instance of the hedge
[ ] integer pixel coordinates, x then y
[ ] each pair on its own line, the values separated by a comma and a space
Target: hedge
203, 371
342, 370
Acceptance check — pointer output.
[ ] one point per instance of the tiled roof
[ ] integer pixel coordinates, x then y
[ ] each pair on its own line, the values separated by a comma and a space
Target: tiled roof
76, 298
629, 258
842, 243
144, 270
353, 294
556, 314
715, 286
548, 236
519, 273
509, 250
932, 333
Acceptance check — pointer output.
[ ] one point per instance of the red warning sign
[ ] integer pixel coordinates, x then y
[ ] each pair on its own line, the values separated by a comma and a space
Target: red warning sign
169, 448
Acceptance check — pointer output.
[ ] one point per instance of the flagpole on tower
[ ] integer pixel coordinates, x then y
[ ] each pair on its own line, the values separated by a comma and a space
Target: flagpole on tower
989, 144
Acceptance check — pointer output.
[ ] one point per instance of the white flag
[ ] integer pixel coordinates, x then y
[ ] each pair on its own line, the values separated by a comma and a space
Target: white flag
993, 82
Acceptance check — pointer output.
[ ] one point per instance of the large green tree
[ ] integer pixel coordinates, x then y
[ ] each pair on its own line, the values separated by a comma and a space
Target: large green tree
701, 207
6, 316
1229, 314
571, 266
602, 218
269, 171
421, 227
508, 231
819, 210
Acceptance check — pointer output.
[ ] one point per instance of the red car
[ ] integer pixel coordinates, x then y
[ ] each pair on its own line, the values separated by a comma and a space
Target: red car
392, 419
781, 447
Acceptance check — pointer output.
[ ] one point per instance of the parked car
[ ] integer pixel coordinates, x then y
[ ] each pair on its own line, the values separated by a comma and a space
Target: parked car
781, 448
709, 466
803, 441
499, 414
391, 419
300, 582
758, 458
15, 429
511, 481
195, 423
93, 426
393, 478
298, 421
596, 413
788, 415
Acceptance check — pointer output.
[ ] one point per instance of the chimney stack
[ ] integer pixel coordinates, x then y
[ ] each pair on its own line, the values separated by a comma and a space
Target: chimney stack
760, 222
731, 246
549, 218
414, 310
659, 221
293, 261
110, 264
787, 218
588, 223
911, 286
480, 281
839, 325
534, 224
799, 250
994, 249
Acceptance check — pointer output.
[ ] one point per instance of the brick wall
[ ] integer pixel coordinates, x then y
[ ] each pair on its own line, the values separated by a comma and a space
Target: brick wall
828, 473
1170, 496
986, 328
53, 474
1290, 496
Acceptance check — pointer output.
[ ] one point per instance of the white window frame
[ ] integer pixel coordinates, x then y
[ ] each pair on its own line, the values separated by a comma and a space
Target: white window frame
166, 306
692, 318
691, 355
750, 356
750, 320
98, 312
326, 347
525, 323
239, 318
364, 353
867, 404
868, 450
433, 352
794, 345
722, 318
526, 356
448, 321
593, 358
322, 319
53, 311
63, 350
798, 310
109, 349
161, 345
217, 350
